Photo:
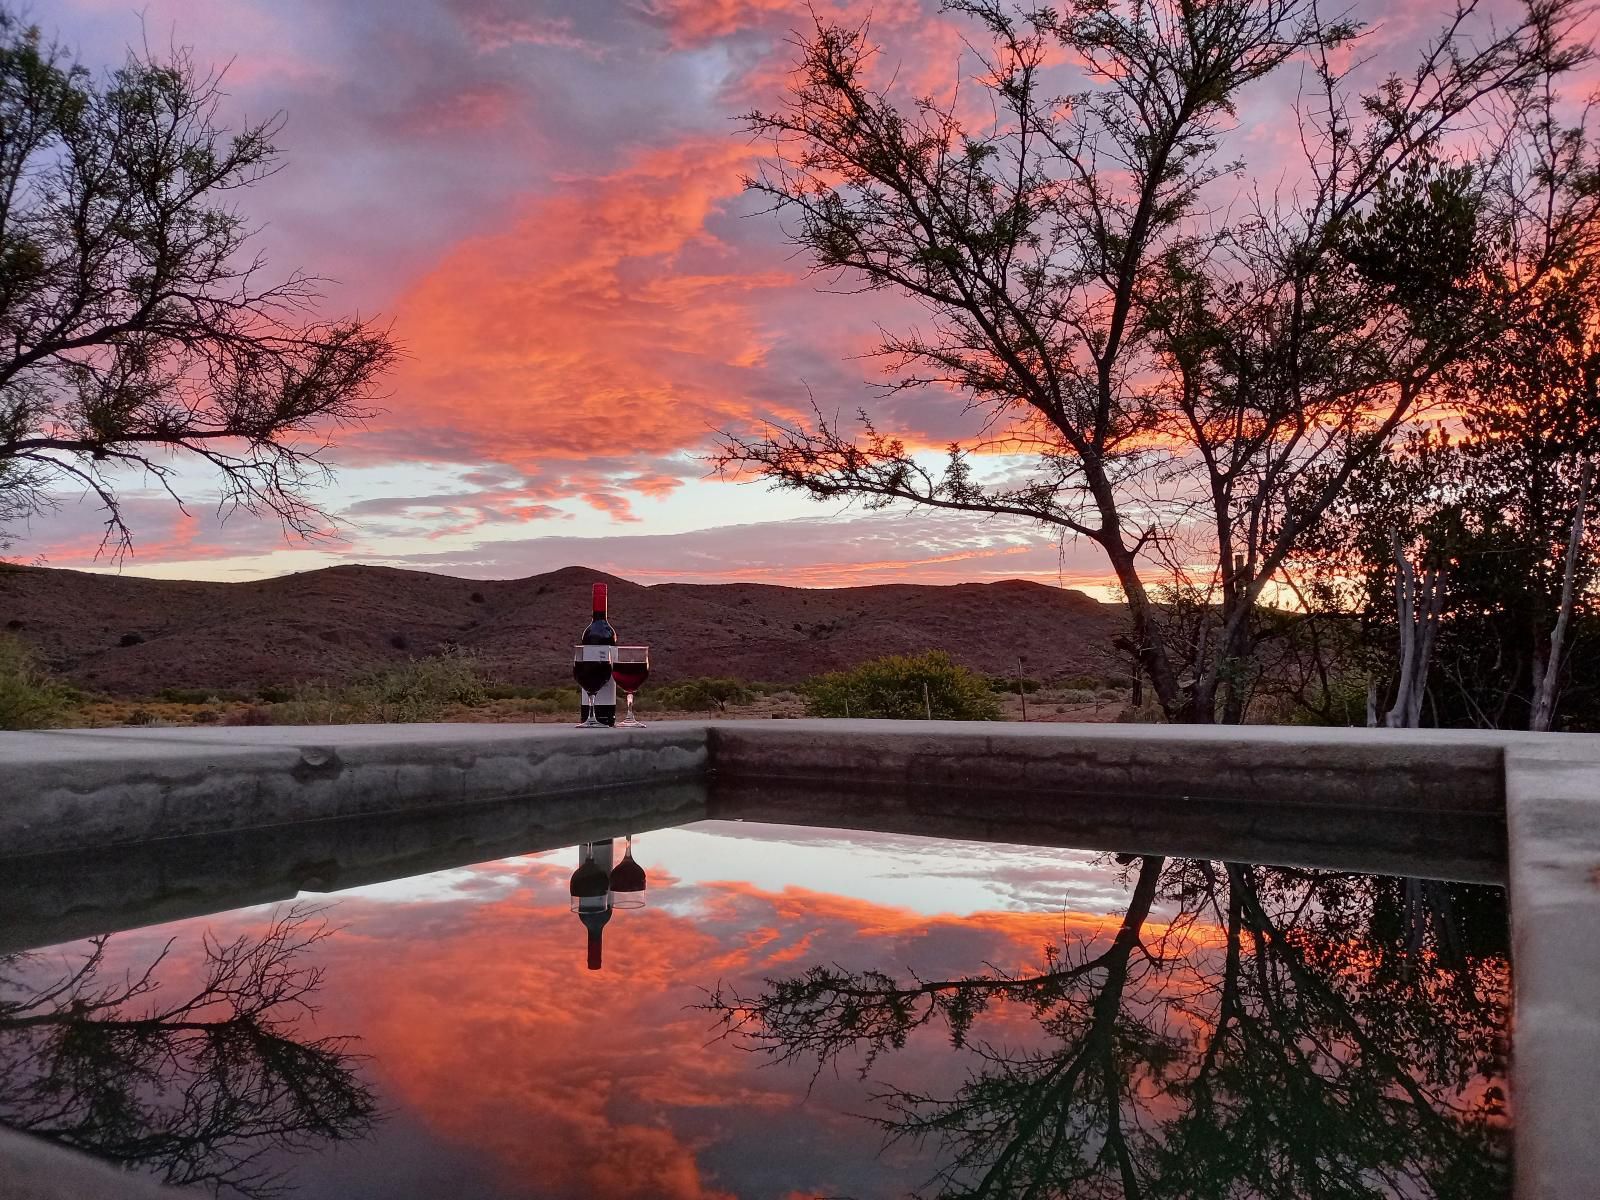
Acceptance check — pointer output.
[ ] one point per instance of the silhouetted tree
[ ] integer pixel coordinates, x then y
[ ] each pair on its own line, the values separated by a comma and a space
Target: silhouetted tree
1283, 1034
1195, 370
198, 1089
134, 323
1494, 522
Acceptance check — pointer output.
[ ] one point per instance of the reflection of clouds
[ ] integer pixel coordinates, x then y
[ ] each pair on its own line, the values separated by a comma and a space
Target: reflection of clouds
930, 875
497, 1051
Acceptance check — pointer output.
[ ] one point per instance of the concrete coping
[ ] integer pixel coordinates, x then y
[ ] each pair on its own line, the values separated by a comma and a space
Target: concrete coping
64, 791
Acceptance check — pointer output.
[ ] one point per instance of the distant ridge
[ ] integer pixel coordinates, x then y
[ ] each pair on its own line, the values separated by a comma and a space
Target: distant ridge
338, 621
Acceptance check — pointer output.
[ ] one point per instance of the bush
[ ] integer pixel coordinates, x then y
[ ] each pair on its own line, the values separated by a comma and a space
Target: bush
892, 687
1008, 684
29, 697
130, 639
695, 695
1090, 683
181, 695
1342, 704
425, 689
275, 693
514, 691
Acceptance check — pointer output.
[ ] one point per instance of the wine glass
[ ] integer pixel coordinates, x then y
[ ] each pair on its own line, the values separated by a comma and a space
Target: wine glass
591, 668
630, 669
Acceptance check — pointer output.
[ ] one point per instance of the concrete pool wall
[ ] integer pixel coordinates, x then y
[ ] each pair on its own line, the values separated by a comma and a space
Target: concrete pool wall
1381, 800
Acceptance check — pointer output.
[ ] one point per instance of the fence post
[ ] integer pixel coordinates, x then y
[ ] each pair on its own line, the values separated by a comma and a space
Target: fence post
927, 704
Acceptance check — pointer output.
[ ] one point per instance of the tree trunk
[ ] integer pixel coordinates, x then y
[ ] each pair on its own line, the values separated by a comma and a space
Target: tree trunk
1544, 704
1419, 602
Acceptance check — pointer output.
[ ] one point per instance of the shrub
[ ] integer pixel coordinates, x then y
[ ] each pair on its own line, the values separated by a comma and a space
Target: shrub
425, 689
1343, 703
1008, 684
181, 695
1088, 683
29, 697
253, 714
694, 695
1078, 696
892, 687
512, 691
130, 639
275, 693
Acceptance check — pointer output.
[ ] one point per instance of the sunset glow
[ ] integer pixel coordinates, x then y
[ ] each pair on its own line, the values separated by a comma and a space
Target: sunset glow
546, 201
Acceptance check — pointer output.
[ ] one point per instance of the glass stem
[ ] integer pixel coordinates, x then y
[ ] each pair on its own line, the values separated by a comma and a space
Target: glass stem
630, 706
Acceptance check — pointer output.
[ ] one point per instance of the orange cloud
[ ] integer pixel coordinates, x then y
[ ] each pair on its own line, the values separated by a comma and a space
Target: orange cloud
607, 321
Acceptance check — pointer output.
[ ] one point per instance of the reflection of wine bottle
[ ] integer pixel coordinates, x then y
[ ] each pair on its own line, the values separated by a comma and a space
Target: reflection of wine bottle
591, 894
600, 633
594, 920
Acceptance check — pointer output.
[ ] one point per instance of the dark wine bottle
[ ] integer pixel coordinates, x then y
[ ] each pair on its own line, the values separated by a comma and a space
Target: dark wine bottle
600, 633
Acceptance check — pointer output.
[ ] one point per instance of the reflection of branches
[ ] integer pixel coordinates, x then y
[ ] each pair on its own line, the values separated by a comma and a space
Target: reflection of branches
1298, 1034
199, 1089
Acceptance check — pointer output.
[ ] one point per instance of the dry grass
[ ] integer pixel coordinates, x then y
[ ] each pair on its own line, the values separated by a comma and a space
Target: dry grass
1047, 705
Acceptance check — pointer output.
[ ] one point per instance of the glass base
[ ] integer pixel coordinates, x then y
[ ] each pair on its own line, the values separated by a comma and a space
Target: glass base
591, 723
631, 722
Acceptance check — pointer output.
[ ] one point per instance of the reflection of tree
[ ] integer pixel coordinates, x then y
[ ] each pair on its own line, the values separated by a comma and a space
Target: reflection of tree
199, 1089
1285, 1034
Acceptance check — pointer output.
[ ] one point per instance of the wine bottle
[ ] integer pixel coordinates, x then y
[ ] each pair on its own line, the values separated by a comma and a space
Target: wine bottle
600, 633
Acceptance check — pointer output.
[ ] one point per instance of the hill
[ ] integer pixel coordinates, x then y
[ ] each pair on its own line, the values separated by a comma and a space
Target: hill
132, 636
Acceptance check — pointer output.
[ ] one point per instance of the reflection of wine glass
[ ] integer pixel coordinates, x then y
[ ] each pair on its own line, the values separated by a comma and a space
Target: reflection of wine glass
627, 880
630, 670
591, 668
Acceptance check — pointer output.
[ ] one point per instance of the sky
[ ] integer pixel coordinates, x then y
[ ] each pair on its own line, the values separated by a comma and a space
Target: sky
543, 198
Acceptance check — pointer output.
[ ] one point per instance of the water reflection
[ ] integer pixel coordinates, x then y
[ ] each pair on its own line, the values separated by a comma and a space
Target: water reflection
1284, 1034
1191, 1028
201, 1087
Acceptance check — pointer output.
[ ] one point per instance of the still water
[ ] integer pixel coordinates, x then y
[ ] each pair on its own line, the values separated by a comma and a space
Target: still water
792, 1012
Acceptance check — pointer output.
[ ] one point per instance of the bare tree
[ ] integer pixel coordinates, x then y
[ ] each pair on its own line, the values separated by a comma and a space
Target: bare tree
1194, 368
136, 328
1279, 1033
198, 1088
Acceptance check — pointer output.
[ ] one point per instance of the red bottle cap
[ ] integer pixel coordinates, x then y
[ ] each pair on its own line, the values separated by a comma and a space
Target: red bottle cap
599, 597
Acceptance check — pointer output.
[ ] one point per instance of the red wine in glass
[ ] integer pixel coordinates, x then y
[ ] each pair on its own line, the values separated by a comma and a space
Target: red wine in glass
591, 676
591, 669
630, 677
630, 669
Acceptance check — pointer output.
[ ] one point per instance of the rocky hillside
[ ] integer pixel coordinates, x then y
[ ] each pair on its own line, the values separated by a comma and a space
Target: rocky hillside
132, 636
